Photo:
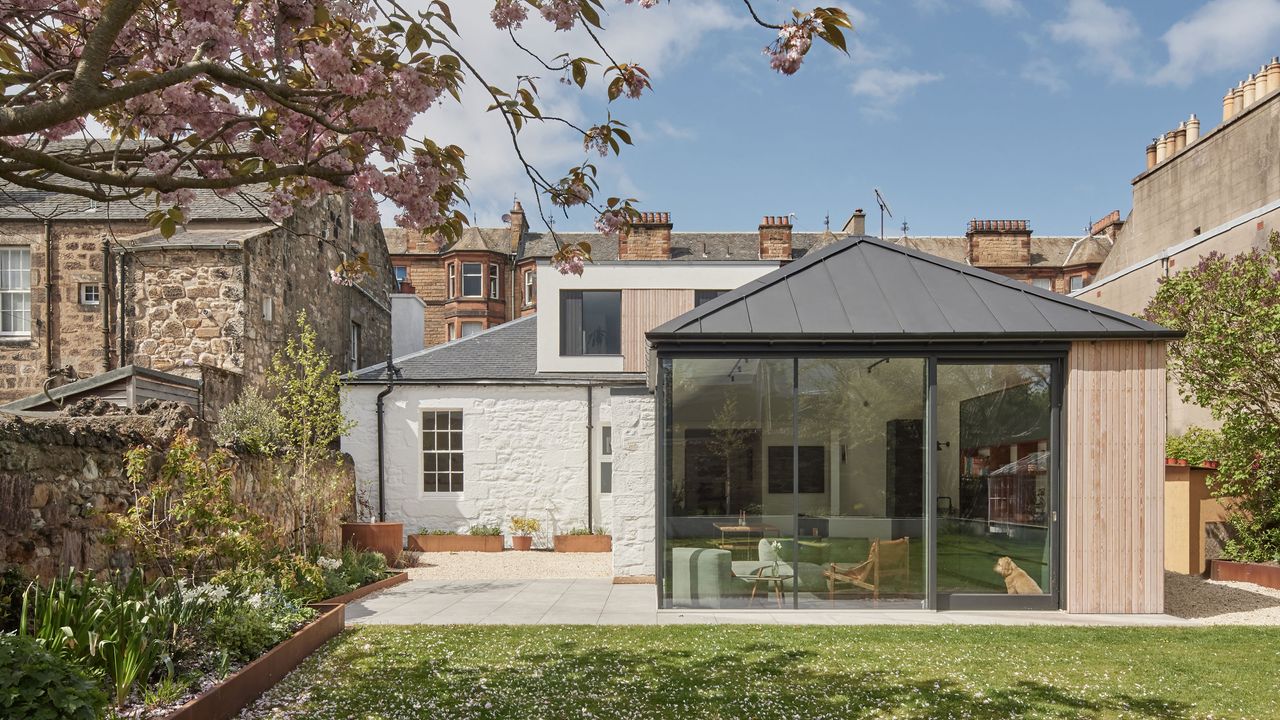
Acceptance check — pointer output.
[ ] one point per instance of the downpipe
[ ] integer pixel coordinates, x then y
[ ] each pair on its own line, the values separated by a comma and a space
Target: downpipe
392, 371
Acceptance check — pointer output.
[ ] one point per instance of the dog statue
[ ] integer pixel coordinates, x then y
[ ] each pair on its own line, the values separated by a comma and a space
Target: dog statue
1016, 580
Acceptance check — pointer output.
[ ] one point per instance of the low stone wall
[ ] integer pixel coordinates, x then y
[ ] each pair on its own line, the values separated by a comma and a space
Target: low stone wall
60, 476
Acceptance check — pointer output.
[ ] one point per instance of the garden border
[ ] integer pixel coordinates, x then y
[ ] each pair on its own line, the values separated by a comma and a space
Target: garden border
584, 543
373, 587
1256, 573
247, 684
419, 542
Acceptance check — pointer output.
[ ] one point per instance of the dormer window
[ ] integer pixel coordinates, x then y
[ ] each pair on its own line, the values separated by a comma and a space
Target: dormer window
591, 322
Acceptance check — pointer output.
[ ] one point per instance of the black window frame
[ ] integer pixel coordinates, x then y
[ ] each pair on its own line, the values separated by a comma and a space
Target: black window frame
573, 304
701, 297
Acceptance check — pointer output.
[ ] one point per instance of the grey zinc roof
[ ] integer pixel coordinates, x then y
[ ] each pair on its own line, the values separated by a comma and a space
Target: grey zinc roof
868, 289
506, 353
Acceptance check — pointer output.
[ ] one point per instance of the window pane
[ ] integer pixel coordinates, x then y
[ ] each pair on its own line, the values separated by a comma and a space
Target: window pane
601, 322
457, 482
606, 440
704, 296
471, 328
471, 279
455, 420
428, 462
493, 281
606, 477
1077, 282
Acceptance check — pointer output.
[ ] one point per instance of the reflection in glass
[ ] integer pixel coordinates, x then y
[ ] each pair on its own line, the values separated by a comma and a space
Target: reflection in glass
994, 494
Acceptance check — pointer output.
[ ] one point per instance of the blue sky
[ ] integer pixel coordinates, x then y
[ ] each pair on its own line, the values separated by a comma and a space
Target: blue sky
959, 109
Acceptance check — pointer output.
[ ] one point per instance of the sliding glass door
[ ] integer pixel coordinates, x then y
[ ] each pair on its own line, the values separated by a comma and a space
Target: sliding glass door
996, 499
857, 482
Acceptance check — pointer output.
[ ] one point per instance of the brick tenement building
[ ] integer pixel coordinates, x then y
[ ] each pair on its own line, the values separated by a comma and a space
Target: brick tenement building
93, 288
510, 253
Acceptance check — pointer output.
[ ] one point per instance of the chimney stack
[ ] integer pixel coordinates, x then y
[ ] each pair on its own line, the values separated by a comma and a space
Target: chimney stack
1237, 99
1193, 129
999, 243
1273, 75
648, 238
1162, 148
1261, 86
1249, 88
1228, 106
1151, 154
1179, 138
517, 225
857, 223
1109, 225
775, 238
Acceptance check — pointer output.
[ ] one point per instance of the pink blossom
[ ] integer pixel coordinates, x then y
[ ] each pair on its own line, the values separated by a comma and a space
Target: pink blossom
646, 4
508, 14
794, 40
611, 222
562, 13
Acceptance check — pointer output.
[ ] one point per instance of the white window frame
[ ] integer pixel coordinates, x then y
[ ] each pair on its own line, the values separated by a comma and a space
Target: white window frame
606, 458
1071, 283
478, 275
1043, 283
453, 278
448, 332
530, 287
435, 452
15, 287
353, 353
495, 284
88, 289
463, 328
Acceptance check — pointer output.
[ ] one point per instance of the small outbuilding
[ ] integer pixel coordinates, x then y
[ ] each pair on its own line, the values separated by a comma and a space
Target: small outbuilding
872, 426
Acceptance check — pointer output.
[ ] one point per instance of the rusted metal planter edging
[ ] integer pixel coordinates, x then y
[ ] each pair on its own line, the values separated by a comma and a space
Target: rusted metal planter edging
225, 699
1256, 573
584, 543
372, 587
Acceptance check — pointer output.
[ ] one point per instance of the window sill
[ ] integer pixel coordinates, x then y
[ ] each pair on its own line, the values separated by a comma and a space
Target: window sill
450, 495
592, 355
16, 340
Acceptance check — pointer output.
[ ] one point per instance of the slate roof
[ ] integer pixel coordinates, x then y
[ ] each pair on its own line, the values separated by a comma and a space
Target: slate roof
1046, 250
868, 289
506, 353
74, 389
726, 246
196, 237
18, 203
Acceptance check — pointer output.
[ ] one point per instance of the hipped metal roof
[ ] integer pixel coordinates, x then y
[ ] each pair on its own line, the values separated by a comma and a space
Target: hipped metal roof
866, 289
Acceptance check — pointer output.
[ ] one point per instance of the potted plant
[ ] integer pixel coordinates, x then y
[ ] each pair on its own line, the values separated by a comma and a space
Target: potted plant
582, 539
382, 537
522, 530
479, 538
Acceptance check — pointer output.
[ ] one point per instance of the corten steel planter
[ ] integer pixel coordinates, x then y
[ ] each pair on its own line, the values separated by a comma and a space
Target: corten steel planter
455, 543
225, 699
383, 537
373, 587
1264, 574
584, 543
521, 542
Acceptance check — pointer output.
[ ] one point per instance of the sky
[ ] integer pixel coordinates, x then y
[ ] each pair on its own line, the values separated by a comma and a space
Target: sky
954, 109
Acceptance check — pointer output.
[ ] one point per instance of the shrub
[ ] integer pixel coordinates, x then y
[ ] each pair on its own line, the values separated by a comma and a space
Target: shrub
13, 583
246, 625
362, 567
485, 530
1228, 309
425, 531
586, 531
1196, 445
38, 685
524, 525
250, 423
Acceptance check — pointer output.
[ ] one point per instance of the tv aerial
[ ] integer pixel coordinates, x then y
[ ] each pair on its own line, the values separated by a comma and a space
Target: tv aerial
884, 208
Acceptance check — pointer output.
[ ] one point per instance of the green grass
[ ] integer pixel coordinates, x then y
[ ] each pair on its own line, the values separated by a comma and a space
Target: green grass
465, 672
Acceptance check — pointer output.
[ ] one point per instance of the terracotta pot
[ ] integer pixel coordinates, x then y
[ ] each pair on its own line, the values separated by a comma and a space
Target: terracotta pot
521, 542
584, 543
455, 543
382, 537
1211, 464
1174, 461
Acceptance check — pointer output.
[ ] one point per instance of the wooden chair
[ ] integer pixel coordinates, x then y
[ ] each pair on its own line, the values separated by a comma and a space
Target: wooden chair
888, 561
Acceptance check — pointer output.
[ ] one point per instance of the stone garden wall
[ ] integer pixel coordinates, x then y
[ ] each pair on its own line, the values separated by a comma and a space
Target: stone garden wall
61, 475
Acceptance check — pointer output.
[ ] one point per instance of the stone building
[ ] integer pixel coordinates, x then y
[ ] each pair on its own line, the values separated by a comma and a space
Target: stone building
490, 275
1216, 192
85, 289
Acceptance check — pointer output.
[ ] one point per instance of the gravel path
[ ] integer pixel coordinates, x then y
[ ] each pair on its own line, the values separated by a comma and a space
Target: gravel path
510, 565
1211, 602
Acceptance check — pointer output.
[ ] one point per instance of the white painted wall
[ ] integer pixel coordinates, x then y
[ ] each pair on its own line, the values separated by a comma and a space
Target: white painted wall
633, 513
525, 453
621, 276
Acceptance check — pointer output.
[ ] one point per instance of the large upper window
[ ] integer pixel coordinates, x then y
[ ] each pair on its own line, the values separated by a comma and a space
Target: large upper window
591, 322
442, 451
15, 291
472, 279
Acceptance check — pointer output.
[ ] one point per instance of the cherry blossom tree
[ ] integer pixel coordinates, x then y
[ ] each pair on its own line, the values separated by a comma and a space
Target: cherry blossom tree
303, 98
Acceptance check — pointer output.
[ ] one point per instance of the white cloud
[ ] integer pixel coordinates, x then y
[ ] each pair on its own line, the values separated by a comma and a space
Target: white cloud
1221, 35
1105, 35
883, 88
1046, 73
1002, 7
660, 39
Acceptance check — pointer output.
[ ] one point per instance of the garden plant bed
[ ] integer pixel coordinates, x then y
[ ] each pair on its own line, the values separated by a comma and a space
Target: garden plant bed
391, 580
383, 537
226, 698
474, 672
584, 543
1264, 574
455, 543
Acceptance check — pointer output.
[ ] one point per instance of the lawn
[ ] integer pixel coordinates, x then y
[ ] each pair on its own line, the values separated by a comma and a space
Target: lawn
743, 671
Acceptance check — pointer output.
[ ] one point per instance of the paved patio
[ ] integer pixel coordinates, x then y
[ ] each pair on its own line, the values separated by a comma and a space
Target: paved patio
597, 601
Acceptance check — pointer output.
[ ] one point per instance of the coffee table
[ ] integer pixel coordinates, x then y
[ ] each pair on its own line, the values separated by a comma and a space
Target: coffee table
773, 577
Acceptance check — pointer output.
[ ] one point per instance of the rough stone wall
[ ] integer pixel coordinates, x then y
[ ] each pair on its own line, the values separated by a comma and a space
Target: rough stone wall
646, 241
775, 241
76, 328
524, 453
634, 512
427, 275
188, 310
60, 476
1001, 250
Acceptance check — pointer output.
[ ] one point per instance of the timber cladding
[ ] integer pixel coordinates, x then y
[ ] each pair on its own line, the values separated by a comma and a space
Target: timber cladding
642, 311
1115, 432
